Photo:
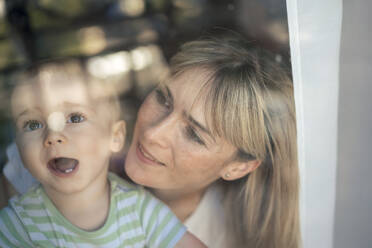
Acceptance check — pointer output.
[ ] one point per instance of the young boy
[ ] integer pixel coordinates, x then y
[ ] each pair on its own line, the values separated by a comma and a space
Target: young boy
66, 130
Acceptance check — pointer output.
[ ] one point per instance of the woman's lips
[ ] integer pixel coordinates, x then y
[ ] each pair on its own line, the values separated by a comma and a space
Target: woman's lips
63, 167
146, 157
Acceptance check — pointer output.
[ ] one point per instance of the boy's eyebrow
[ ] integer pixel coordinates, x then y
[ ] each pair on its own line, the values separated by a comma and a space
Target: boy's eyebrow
65, 104
25, 112
71, 104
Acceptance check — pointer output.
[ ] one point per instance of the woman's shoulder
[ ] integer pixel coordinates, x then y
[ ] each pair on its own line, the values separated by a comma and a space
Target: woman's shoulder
208, 220
210, 204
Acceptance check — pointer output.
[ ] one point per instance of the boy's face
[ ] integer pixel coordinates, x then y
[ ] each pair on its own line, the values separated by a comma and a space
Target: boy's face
65, 135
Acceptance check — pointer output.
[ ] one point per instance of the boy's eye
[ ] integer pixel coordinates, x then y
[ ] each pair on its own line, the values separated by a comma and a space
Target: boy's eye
192, 135
32, 125
162, 99
75, 118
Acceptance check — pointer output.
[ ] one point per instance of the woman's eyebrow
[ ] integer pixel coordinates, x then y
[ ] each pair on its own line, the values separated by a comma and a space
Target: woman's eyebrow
169, 93
198, 124
189, 117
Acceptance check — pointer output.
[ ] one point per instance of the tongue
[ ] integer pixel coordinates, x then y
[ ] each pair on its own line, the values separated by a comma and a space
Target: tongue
63, 164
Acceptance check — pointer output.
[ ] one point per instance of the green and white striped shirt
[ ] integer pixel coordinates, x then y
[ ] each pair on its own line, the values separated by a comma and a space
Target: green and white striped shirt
136, 219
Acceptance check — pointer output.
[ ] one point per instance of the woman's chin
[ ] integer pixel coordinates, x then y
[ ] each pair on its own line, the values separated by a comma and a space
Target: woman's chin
142, 177
135, 174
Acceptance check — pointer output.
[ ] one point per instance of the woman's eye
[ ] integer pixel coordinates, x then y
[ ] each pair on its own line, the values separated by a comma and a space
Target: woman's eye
32, 125
76, 118
162, 99
192, 135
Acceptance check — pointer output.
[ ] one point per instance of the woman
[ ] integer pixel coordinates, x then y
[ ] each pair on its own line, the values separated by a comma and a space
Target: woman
217, 143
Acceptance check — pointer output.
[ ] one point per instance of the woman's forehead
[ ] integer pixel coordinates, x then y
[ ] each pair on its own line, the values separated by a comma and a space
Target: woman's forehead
194, 83
189, 89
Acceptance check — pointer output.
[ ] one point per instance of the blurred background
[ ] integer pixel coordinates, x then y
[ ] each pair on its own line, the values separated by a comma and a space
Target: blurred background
129, 43
124, 42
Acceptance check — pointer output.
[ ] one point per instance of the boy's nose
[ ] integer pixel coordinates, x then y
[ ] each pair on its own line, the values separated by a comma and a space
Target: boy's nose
54, 138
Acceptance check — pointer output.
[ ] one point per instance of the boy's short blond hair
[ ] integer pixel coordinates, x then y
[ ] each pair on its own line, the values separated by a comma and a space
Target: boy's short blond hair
64, 70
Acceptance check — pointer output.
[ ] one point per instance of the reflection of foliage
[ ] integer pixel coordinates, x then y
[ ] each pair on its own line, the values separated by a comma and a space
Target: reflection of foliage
9, 54
61, 44
56, 28
41, 19
71, 9
3, 27
46, 29
75, 7
159, 5
50, 13
189, 12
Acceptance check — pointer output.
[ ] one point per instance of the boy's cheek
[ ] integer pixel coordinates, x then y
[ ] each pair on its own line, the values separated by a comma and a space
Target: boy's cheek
24, 138
26, 154
28, 145
19, 140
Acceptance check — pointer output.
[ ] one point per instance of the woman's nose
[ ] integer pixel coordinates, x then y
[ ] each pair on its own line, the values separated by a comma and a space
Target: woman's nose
162, 131
54, 138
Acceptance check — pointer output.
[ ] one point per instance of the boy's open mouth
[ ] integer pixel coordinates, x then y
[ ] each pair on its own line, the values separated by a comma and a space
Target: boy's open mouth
63, 165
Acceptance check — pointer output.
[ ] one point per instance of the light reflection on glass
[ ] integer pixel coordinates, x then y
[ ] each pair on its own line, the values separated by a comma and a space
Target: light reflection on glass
278, 31
147, 35
190, 8
141, 58
109, 65
150, 67
132, 7
92, 40
2, 8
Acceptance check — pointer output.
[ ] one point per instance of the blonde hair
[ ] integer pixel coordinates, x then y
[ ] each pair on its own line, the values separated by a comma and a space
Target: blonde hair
250, 104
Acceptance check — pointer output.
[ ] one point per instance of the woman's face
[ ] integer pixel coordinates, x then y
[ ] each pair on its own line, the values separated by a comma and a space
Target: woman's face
172, 147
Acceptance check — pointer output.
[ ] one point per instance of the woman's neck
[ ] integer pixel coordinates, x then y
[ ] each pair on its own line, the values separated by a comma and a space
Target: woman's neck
183, 204
87, 209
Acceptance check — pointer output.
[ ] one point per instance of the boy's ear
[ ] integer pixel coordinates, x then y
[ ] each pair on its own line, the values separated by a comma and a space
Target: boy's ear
237, 169
118, 136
